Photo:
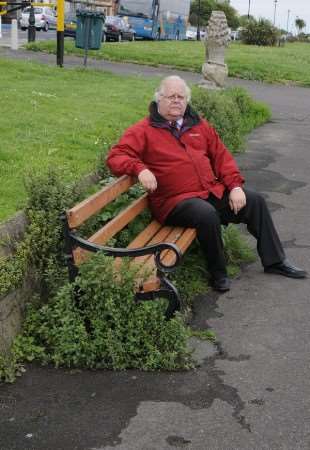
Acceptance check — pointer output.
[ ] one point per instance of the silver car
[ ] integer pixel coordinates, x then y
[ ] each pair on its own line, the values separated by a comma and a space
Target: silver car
191, 33
45, 18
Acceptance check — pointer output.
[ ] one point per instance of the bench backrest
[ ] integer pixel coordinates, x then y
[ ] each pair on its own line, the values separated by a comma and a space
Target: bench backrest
77, 215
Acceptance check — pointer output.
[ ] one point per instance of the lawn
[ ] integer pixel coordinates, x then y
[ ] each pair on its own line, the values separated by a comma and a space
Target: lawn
63, 118
68, 118
289, 64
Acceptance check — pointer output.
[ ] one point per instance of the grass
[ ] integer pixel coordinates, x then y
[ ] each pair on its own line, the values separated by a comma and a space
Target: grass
142, 52
68, 118
288, 65
63, 118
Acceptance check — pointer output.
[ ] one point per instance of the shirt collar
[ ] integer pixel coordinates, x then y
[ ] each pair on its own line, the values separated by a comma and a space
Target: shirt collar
180, 123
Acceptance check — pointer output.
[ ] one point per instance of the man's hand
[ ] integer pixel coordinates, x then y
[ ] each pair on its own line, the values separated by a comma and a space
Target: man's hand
148, 180
237, 199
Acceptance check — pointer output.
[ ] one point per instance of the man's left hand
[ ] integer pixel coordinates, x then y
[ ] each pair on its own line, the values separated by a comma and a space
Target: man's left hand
237, 199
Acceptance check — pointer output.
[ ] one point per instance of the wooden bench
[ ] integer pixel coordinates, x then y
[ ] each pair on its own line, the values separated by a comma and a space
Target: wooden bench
157, 248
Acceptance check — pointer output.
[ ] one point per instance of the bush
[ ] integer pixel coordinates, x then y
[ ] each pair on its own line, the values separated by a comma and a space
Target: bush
253, 113
260, 32
96, 323
303, 37
232, 112
222, 112
42, 247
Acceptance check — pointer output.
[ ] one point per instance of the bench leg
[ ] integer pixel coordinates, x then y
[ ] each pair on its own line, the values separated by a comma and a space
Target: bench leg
168, 291
68, 248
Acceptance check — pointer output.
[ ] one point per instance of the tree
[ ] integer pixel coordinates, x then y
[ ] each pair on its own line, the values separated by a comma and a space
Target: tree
300, 24
260, 32
243, 20
206, 8
230, 13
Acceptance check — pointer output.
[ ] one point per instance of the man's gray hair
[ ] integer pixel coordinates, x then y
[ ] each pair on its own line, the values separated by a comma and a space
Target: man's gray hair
160, 91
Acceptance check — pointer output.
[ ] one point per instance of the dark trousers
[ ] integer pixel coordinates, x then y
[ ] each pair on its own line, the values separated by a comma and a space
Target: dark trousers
208, 215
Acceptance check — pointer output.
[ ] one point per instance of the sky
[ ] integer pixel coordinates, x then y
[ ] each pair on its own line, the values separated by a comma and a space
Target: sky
266, 8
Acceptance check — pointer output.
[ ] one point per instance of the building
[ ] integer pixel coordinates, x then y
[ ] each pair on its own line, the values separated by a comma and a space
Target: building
106, 6
7, 18
109, 7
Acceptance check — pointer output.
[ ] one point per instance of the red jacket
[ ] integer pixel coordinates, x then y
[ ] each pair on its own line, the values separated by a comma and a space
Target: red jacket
190, 164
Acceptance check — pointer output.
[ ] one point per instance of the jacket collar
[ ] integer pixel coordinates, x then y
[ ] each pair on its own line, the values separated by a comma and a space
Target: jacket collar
190, 118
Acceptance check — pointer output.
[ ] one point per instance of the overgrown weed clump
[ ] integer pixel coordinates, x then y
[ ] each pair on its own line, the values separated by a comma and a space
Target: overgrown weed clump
95, 323
232, 112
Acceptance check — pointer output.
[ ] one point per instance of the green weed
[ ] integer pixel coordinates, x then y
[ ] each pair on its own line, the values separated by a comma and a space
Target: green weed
96, 323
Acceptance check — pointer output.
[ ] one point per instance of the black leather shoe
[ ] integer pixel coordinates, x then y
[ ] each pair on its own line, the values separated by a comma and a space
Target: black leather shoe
286, 269
221, 284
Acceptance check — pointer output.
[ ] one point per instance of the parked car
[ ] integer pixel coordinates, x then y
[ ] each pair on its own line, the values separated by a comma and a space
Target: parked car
203, 34
191, 33
45, 18
235, 35
70, 25
116, 29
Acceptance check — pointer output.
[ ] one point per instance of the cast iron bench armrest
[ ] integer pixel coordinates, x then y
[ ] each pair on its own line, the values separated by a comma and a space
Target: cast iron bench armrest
155, 249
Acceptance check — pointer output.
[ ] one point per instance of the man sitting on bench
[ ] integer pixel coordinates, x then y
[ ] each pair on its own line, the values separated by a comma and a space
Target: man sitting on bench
194, 182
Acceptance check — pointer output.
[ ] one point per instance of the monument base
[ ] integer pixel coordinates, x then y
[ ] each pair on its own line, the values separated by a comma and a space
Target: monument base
215, 73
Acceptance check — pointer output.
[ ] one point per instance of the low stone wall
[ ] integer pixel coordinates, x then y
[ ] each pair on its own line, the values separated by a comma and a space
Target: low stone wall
11, 231
12, 304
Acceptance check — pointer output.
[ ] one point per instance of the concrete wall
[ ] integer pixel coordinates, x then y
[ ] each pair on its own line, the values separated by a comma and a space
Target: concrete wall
12, 304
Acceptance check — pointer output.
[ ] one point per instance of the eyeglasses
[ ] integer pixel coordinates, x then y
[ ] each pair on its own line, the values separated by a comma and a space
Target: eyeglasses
171, 98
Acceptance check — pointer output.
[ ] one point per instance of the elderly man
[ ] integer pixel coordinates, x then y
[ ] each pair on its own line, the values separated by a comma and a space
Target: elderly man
193, 181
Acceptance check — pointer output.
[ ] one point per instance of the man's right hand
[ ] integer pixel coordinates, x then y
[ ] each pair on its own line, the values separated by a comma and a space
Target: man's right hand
148, 180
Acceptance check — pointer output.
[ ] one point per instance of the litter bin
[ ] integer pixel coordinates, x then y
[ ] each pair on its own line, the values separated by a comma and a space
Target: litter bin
89, 29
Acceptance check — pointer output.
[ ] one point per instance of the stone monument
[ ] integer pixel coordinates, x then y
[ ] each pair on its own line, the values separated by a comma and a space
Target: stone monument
215, 70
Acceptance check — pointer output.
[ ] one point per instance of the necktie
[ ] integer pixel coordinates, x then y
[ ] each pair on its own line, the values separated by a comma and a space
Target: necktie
174, 125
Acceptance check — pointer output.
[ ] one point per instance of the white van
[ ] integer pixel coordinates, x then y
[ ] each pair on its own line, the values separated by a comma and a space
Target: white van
45, 18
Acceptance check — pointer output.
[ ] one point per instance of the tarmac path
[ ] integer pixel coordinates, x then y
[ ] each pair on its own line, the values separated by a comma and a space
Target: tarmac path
253, 391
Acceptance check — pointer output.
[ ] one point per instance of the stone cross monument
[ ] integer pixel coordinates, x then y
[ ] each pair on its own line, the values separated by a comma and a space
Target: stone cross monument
215, 70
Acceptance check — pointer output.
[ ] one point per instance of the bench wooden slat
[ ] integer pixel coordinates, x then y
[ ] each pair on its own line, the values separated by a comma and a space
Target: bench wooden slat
161, 236
113, 227
183, 243
148, 261
81, 212
173, 237
142, 239
146, 235
120, 221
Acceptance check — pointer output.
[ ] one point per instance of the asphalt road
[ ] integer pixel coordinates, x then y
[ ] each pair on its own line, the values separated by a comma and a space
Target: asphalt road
252, 392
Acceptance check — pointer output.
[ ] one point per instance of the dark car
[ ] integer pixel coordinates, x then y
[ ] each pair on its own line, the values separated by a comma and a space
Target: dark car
116, 29
70, 25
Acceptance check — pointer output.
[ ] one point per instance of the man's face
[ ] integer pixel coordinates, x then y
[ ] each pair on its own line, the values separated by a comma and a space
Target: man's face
172, 101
